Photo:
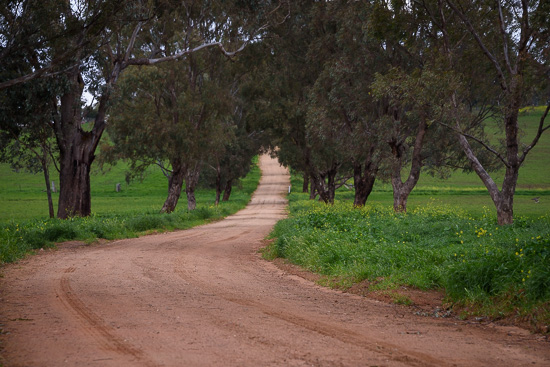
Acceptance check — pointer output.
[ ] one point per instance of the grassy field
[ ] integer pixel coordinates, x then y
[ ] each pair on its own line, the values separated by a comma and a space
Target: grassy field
24, 222
448, 241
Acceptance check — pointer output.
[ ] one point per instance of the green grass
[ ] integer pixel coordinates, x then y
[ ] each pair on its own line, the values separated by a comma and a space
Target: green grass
449, 240
500, 270
25, 226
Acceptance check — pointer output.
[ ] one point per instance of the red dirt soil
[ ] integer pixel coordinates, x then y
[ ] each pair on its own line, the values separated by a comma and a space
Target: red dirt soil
205, 297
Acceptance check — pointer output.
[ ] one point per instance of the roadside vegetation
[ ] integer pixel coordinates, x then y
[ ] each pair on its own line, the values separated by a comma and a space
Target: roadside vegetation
483, 268
130, 213
449, 240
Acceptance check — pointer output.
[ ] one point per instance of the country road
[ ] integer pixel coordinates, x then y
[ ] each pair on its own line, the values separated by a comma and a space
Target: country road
205, 297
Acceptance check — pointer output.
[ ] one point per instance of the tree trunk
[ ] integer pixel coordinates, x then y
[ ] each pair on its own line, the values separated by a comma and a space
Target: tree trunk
400, 197
218, 184
331, 185
76, 150
44, 161
306, 183
325, 184
364, 180
313, 190
74, 181
503, 199
227, 191
191, 181
505, 209
402, 190
175, 184
363, 188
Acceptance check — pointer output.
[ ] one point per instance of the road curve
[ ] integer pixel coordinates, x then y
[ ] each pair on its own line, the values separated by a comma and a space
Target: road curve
204, 297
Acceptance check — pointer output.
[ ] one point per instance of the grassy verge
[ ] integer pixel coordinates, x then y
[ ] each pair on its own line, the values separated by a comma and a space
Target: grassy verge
481, 267
132, 213
449, 241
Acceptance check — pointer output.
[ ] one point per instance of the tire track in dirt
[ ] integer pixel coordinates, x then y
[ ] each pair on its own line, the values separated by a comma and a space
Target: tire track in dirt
388, 351
94, 325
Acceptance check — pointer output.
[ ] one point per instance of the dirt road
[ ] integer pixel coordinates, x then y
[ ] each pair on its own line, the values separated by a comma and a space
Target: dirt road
204, 297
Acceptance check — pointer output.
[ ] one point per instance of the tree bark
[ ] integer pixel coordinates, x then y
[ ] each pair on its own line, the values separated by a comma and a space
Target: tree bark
325, 183
402, 190
191, 181
364, 179
313, 190
363, 186
77, 147
227, 191
74, 181
503, 200
44, 161
218, 184
175, 184
305, 185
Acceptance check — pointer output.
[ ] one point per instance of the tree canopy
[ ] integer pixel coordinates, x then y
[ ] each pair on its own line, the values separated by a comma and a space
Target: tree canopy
337, 90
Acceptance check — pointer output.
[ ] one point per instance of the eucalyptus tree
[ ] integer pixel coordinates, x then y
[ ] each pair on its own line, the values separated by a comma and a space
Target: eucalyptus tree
231, 159
88, 45
519, 56
29, 144
415, 95
284, 78
178, 113
302, 46
504, 45
417, 108
341, 100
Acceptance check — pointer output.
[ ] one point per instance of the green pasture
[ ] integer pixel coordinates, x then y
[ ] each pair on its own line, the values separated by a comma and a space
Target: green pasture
24, 222
23, 195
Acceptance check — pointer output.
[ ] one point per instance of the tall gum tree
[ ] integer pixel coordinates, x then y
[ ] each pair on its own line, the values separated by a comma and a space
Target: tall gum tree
172, 113
341, 99
516, 47
415, 103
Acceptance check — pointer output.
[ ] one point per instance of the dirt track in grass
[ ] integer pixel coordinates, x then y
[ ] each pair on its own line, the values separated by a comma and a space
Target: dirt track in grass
204, 297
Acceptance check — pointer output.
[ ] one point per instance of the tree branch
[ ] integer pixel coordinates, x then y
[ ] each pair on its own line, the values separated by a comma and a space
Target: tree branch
540, 130
131, 43
485, 145
165, 171
147, 61
479, 169
484, 48
342, 181
504, 38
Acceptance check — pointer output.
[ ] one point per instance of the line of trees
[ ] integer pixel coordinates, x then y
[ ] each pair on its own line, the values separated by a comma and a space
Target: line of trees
390, 89
53, 51
340, 90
